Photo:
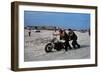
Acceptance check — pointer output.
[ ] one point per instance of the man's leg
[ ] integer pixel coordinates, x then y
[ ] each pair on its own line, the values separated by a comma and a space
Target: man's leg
67, 45
77, 44
73, 44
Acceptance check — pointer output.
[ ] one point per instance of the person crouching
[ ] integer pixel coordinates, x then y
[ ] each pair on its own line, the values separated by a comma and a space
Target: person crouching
64, 36
73, 37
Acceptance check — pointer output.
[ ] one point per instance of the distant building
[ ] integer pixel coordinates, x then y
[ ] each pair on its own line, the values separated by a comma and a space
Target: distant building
40, 27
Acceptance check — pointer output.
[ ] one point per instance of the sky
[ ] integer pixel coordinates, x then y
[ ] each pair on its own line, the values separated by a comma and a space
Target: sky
59, 19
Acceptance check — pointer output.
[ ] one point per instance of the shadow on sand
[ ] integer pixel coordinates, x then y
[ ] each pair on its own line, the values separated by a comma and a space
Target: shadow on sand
83, 46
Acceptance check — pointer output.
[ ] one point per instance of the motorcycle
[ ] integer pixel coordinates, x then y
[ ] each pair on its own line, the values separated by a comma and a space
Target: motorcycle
54, 44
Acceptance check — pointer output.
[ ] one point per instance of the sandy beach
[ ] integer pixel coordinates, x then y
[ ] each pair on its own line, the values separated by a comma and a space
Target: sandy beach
35, 44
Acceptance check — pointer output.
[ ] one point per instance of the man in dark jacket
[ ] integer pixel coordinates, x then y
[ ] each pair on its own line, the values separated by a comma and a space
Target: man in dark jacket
73, 37
64, 36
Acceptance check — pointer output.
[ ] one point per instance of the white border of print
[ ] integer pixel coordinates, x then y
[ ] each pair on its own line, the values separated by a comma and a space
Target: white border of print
34, 64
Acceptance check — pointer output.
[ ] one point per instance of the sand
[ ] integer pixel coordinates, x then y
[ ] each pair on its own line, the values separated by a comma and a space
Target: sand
35, 44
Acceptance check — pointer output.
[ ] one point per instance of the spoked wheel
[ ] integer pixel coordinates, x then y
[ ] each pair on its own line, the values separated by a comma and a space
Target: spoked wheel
48, 48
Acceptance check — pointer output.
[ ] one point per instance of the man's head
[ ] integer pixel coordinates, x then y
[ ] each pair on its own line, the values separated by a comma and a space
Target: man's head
61, 32
69, 29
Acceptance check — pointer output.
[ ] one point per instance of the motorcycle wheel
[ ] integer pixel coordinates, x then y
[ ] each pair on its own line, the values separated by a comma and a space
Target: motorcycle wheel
48, 48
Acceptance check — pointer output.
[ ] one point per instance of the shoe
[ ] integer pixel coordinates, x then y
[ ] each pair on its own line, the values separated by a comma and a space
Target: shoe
66, 50
78, 46
75, 47
70, 48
